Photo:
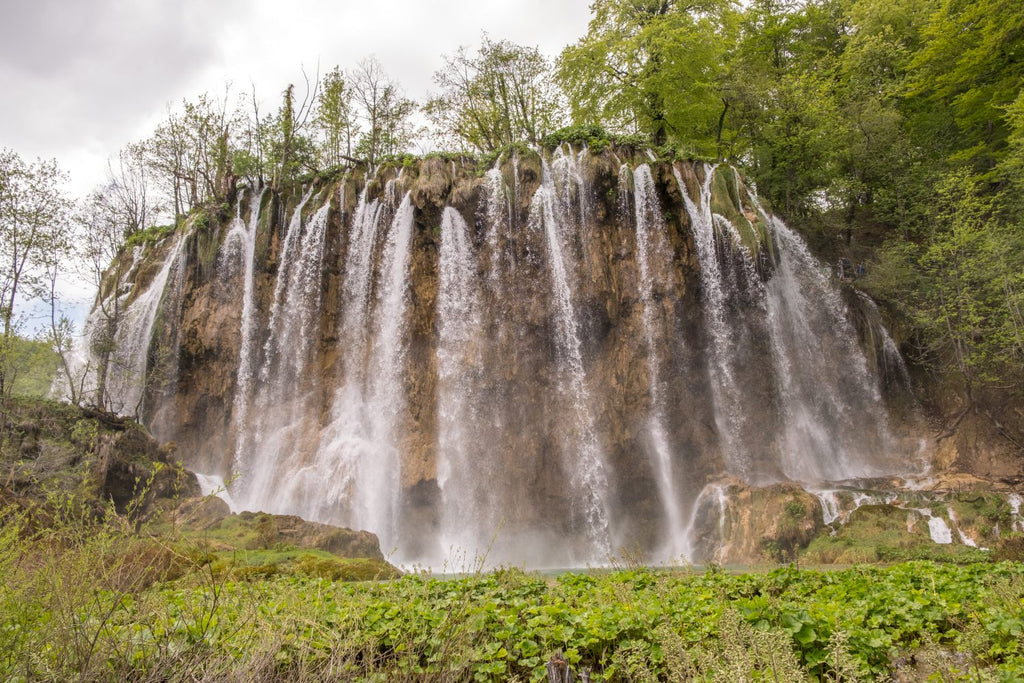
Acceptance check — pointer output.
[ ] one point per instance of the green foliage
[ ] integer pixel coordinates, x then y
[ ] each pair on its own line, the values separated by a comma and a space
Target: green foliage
961, 285
966, 73
32, 365
639, 624
596, 138
33, 243
502, 95
649, 68
335, 119
385, 111
877, 533
150, 235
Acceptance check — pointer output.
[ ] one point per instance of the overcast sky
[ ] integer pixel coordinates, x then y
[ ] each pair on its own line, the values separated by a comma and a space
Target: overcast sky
81, 78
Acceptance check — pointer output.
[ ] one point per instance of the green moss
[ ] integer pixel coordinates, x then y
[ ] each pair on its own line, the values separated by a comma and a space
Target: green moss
980, 513
149, 236
596, 138
725, 201
318, 564
879, 533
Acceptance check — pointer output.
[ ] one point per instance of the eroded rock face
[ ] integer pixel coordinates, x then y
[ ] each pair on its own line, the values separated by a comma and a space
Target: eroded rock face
544, 361
755, 525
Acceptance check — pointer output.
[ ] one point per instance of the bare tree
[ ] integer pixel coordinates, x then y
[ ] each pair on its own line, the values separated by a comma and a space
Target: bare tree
190, 151
385, 110
502, 95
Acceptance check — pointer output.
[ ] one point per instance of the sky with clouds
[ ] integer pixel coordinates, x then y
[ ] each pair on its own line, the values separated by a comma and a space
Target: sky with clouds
82, 78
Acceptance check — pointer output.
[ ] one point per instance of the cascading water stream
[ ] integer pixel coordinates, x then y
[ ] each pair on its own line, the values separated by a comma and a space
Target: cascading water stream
651, 244
359, 448
127, 377
499, 226
285, 392
726, 396
552, 211
245, 235
833, 420
464, 476
377, 510
345, 439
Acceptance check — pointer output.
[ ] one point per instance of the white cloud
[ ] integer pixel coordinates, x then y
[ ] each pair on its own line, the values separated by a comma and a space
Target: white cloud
82, 79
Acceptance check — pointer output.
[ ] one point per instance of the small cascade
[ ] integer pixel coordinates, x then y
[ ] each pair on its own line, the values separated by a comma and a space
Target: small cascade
554, 212
465, 476
964, 538
127, 379
1016, 520
245, 375
651, 244
707, 529
938, 529
893, 368
831, 506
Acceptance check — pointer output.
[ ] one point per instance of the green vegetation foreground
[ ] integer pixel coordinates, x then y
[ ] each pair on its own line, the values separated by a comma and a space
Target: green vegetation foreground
98, 600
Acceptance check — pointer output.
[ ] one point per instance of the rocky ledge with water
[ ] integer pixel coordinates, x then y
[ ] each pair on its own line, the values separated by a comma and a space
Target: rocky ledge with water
547, 362
61, 462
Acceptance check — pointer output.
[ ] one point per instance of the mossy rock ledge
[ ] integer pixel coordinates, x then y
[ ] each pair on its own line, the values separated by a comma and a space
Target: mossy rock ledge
53, 453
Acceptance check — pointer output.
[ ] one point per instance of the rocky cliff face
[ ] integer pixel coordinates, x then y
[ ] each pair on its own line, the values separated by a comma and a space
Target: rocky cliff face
547, 361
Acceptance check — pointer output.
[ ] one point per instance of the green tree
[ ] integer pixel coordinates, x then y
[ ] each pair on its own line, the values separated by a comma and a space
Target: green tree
33, 224
962, 287
503, 94
335, 119
385, 111
189, 153
783, 80
651, 67
967, 71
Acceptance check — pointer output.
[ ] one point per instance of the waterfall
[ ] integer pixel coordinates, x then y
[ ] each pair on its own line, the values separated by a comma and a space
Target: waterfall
553, 212
544, 363
833, 421
726, 395
245, 236
499, 227
374, 509
651, 244
464, 475
358, 449
283, 397
127, 379
345, 439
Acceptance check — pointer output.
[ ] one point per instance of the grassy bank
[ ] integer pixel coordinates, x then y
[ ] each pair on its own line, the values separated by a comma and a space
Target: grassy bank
94, 599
